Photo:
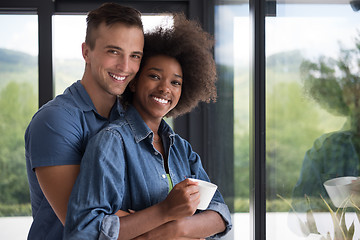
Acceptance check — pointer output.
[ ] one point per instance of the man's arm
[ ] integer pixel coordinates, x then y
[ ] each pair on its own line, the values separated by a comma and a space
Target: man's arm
56, 182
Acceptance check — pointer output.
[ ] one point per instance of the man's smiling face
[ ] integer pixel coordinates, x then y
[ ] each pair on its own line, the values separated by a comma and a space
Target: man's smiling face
116, 57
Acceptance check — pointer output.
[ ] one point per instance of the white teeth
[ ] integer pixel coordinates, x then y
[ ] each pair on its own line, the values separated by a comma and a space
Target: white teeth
117, 77
160, 100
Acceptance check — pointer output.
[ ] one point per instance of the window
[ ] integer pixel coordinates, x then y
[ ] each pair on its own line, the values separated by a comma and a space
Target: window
67, 57
312, 77
18, 103
294, 111
232, 59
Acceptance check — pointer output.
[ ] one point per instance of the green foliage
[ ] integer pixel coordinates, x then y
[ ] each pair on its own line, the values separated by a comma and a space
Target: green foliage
334, 83
241, 135
15, 210
292, 124
18, 104
17, 67
273, 205
241, 205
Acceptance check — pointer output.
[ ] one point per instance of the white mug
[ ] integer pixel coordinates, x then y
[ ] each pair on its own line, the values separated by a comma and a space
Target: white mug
207, 191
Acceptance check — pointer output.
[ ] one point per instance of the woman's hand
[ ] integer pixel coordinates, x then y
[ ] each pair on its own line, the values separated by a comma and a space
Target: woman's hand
182, 200
157, 221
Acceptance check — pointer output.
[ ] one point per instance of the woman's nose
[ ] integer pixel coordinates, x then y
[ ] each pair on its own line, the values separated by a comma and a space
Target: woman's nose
164, 86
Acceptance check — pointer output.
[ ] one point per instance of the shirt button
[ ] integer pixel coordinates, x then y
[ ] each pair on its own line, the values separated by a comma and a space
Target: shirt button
156, 153
163, 176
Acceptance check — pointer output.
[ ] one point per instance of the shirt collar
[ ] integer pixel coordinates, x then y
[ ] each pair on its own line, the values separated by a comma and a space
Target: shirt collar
85, 103
82, 98
139, 128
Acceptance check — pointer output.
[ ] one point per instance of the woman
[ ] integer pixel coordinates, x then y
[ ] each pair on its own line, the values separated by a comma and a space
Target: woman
135, 161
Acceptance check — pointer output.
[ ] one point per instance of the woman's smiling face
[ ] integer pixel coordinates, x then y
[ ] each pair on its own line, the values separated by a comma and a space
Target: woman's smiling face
157, 90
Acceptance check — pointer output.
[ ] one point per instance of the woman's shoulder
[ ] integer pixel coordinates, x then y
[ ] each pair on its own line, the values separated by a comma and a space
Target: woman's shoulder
120, 125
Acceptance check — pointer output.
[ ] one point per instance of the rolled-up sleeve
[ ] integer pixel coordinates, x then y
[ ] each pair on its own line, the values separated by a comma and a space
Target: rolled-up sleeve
110, 228
223, 210
217, 203
98, 191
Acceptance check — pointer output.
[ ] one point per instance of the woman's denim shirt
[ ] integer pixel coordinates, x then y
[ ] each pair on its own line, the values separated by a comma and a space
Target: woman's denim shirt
122, 170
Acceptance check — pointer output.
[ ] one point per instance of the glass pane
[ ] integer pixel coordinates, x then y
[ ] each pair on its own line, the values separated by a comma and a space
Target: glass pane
312, 104
68, 61
232, 59
18, 103
67, 57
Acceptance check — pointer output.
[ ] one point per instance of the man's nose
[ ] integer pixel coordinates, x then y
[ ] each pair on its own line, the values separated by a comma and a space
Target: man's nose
123, 63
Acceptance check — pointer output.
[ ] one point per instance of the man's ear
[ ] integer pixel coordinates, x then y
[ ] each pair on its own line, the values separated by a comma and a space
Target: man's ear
85, 52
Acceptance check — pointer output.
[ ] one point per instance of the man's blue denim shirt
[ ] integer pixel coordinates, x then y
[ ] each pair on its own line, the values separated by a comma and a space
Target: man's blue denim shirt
122, 170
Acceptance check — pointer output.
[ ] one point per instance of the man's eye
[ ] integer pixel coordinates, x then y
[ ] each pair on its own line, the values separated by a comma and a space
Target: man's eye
113, 51
136, 56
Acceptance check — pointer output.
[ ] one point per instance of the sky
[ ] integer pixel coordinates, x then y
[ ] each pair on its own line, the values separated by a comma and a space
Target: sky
20, 32
314, 29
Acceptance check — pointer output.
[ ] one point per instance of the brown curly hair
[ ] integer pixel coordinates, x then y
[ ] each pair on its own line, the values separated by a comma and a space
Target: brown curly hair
192, 47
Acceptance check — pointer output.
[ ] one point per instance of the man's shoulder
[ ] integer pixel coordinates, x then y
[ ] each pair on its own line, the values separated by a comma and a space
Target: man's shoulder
63, 109
58, 108
68, 103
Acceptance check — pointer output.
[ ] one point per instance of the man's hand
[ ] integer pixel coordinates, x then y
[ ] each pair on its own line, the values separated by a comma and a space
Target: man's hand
122, 213
168, 231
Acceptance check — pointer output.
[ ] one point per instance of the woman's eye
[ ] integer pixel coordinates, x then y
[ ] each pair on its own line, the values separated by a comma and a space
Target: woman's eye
177, 83
154, 76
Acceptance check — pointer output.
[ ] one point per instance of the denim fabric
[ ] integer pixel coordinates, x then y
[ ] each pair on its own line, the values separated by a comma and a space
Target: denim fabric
58, 135
122, 170
110, 228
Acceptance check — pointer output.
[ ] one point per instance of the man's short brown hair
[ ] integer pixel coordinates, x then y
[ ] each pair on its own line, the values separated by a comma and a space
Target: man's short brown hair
110, 13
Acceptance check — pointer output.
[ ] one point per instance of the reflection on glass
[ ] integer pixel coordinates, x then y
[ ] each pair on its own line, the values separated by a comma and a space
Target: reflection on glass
312, 77
232, 59
68, 35
18, 103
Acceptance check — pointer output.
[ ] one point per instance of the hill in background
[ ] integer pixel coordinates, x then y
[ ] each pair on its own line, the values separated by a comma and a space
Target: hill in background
22, 67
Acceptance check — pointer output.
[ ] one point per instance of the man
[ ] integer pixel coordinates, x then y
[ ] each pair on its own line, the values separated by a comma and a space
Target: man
56, 137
